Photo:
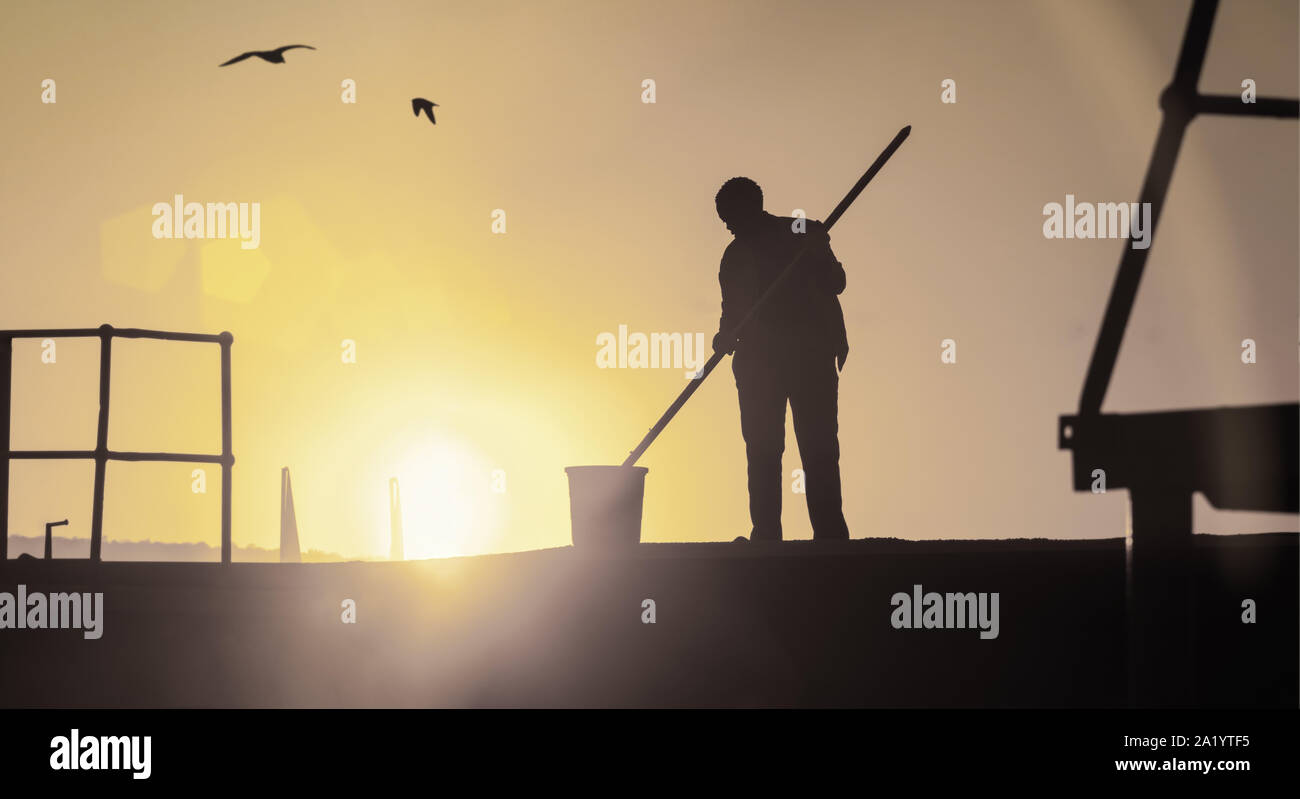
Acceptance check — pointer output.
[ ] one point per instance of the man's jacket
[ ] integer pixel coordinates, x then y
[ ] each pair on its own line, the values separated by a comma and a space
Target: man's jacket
803, 316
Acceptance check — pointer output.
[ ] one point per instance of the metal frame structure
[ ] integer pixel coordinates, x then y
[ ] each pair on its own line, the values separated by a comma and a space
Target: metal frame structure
1240, 458
101, 454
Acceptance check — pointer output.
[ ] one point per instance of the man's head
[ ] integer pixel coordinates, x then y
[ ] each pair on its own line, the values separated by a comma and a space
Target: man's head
740, 205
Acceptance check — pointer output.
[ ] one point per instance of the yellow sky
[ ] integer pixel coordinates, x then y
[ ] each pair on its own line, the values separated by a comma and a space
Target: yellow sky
477, 351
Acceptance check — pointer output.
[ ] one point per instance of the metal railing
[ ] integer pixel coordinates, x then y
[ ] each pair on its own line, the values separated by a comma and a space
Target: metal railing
101, 454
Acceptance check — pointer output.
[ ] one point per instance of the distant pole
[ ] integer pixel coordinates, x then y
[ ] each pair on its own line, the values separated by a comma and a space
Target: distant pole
289, 551
395, 517
49, 538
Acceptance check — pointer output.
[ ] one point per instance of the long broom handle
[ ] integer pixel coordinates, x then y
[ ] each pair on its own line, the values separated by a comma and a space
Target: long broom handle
716, 358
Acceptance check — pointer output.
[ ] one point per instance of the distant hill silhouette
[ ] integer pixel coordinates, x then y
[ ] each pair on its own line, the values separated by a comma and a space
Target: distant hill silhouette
66, 547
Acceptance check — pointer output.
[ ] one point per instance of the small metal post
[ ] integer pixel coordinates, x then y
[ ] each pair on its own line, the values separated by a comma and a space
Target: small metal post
49, 538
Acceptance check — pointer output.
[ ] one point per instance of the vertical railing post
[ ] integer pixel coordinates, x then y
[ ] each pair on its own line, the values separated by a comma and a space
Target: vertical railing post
101, 441
227, 457
1162, 662
6, 384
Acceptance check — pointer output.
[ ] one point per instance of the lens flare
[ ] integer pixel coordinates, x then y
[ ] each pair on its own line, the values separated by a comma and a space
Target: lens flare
448, 507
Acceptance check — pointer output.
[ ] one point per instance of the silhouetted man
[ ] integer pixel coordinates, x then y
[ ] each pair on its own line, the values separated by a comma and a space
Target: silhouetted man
789, 351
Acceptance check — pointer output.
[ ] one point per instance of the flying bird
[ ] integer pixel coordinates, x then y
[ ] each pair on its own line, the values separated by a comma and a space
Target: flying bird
420, 104
275, 56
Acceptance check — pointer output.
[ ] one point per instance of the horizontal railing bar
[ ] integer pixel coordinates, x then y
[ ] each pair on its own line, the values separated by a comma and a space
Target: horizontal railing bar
52, 454
116, 332
132, 332
179, 457
112, 455
1231, 105
70, 332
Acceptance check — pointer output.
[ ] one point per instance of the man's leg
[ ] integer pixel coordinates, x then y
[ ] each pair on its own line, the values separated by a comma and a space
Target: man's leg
762, 423
814, 401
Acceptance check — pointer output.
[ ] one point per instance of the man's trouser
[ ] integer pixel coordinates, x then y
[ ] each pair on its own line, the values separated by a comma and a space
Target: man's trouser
765, 381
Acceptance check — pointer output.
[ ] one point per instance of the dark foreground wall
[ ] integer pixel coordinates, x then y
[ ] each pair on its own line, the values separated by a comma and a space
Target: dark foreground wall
736, 625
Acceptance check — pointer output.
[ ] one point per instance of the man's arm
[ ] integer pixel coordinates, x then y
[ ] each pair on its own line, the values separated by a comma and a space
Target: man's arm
733, 292
826, 268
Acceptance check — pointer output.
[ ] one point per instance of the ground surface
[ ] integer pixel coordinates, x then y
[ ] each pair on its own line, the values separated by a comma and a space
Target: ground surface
797, 624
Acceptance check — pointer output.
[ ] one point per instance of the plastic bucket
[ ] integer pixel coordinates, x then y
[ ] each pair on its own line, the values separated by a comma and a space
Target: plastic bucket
605, 504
